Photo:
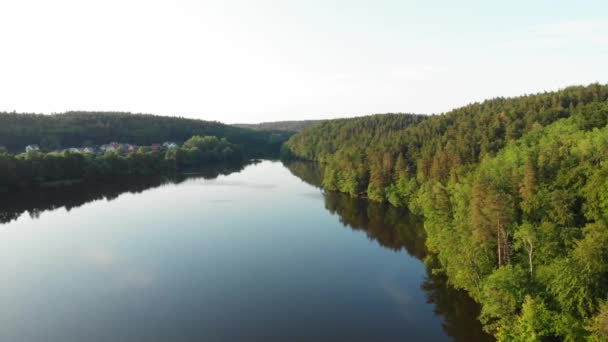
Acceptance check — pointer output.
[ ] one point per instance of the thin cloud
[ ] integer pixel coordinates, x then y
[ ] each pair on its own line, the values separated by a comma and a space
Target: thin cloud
417, 72
589, 33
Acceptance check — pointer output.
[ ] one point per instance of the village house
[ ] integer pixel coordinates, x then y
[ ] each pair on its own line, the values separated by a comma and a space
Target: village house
155, 147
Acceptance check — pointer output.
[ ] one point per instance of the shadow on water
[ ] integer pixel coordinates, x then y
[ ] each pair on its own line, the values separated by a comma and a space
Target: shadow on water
13, 204
399, 230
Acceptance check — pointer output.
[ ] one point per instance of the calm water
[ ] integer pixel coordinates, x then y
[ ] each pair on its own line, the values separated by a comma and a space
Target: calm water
260, 254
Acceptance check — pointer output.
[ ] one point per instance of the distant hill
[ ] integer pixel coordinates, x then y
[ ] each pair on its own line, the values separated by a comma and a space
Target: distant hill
321, 141
82, 128
282, 126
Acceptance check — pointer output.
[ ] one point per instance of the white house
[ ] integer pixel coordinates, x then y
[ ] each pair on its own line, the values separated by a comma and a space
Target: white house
169, 145
108, 148
89, 150
31, 148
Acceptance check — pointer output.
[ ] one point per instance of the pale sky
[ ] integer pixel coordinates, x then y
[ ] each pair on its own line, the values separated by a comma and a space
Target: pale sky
263, 60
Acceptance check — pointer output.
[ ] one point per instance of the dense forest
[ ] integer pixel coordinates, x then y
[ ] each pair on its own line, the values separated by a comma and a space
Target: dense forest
75, 129
514, 197
326, 138
280, 126
33, 169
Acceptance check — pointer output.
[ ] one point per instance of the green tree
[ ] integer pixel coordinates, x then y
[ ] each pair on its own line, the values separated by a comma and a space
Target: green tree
527, 236
534, 324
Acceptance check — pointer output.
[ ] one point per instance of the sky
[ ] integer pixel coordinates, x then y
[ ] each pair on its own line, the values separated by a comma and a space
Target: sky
254, 61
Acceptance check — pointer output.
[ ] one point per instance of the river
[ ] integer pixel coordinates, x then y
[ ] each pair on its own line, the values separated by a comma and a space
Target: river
258, 253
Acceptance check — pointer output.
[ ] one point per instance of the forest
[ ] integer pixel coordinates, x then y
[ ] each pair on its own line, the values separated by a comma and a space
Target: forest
280, 126
514, 196
74, 129
34, 169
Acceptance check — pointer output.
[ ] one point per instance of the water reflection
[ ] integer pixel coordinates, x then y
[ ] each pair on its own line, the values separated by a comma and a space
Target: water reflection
397, 229
391, 227
36, 201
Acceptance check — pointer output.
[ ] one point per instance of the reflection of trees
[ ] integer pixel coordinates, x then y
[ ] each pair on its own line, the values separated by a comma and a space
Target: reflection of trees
309, 172
459, 311
37, 201
392, 227
397, 229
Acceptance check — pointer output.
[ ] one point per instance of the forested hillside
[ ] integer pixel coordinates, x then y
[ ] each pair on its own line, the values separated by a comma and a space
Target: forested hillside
95, 128
514, 196
324, 139
281, 126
